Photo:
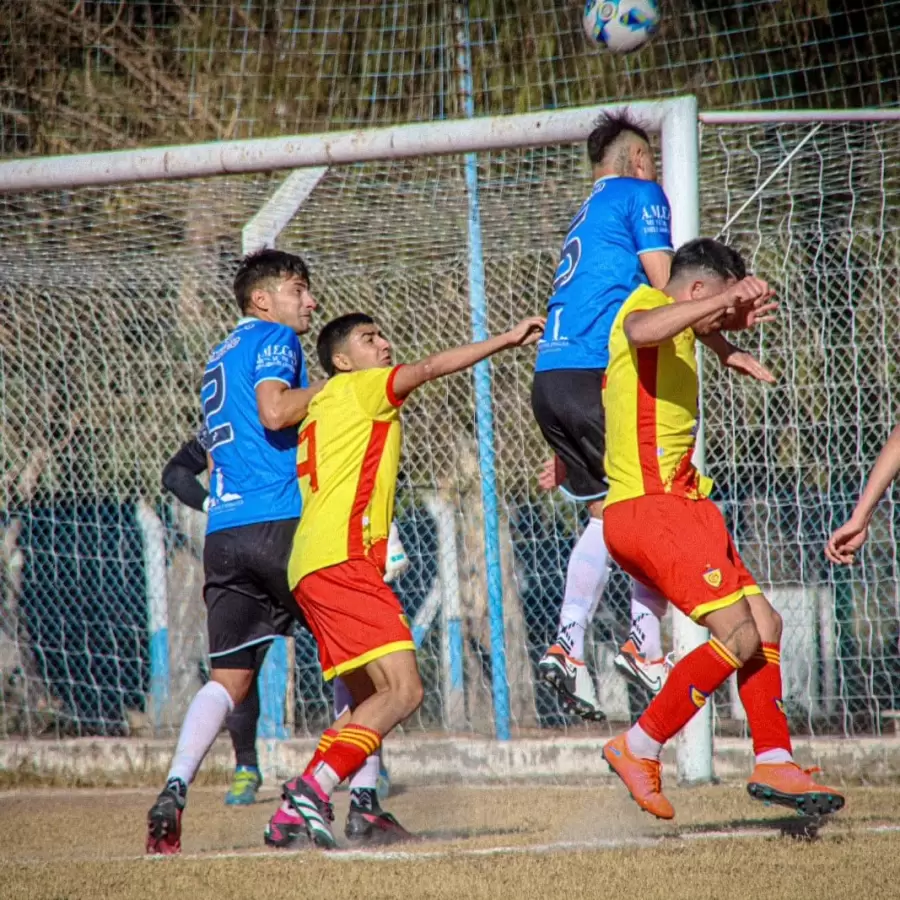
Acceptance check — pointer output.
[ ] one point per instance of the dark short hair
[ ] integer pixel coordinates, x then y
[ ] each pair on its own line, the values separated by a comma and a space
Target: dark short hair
710, 256
607, 130
265, 265
333, 335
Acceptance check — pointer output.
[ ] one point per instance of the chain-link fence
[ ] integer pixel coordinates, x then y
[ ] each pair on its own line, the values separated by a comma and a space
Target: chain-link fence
112, 298
79, 75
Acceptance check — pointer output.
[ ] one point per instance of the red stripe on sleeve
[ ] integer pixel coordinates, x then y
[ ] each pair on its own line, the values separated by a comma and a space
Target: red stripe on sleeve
368, 472
647, 364
393, 399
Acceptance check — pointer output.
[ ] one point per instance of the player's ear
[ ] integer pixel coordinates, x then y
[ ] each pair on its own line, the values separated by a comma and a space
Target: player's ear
341, 362
259, 300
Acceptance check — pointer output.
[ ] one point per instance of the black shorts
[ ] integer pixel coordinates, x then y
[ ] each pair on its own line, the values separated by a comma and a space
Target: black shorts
568, 406
248, 601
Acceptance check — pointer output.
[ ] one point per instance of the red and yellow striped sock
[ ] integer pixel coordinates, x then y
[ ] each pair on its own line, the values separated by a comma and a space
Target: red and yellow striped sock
349, 749
759, 687
692, 680
325, 742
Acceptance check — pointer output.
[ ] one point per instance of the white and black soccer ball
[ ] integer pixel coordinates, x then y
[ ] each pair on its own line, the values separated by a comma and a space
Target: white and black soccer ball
621, 25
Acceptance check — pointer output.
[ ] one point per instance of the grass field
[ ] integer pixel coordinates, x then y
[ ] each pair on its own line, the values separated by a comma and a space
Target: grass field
520, 842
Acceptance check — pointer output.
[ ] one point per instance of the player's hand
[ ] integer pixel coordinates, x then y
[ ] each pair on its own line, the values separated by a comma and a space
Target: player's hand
746, 292
552, 474
528, 331
748, 303
843, 544
746, 364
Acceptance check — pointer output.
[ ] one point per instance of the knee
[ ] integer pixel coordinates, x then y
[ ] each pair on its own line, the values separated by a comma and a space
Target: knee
236, 681
743, 640
769, 624
409, 697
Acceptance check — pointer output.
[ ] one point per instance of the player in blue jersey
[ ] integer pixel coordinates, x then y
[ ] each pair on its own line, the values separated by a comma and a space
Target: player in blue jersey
180, 477
255, 391
619, 239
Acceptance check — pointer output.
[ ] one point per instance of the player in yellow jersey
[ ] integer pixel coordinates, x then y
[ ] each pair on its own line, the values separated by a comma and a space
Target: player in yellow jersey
663, 530
347, 460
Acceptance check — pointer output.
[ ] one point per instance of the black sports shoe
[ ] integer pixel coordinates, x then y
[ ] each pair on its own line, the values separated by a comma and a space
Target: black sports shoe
164, 820
368, 823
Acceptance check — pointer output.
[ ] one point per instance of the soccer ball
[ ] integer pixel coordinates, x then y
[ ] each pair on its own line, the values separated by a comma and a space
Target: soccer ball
621, 25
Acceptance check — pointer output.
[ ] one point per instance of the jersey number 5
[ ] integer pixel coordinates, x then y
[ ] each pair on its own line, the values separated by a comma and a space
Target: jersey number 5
308, 466
571, 253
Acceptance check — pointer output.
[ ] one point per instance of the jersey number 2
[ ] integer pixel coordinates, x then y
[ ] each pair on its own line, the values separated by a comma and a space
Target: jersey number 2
308, 466
571, 253
212, 395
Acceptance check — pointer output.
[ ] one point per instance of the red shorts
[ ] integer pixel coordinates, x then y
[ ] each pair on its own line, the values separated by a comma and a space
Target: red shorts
679, 547
353, 615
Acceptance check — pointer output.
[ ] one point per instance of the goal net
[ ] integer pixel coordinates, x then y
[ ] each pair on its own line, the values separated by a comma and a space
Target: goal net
113, 296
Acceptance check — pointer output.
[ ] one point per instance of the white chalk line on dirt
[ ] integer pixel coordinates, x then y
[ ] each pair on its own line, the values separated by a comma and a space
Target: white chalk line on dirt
349, 856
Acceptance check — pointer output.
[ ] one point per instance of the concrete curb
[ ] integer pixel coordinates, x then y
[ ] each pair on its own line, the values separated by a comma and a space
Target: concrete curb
417, 760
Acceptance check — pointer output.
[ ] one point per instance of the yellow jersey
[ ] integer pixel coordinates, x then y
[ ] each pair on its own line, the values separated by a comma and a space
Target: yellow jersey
348, 455
650, 398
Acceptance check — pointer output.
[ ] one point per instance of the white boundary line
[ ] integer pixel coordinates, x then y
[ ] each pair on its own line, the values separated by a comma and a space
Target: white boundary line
350, 856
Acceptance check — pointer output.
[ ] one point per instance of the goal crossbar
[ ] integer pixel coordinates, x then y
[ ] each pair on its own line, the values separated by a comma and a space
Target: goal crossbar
329, 149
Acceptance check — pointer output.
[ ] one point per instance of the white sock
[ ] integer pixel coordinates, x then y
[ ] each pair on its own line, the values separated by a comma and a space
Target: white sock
342, 698
326, 778
641, 744
586, 578
647, 609
367, 776
202, 724
774, 756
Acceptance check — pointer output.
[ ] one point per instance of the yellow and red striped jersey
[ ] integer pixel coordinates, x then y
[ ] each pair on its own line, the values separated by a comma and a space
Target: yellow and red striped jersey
348, 455
650, 400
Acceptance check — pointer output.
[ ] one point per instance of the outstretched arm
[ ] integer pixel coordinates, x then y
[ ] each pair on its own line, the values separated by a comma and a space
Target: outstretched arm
653, 326
843, 544
447, 362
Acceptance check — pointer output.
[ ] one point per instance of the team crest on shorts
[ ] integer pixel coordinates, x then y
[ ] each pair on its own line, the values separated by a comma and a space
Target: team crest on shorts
698, 698
713, 577
779, 705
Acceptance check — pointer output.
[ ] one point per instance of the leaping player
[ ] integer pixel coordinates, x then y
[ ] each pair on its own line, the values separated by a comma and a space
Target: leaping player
619, 240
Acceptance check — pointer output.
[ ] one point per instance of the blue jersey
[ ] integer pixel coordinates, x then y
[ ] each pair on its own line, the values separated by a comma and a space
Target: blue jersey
254, 470
599, 268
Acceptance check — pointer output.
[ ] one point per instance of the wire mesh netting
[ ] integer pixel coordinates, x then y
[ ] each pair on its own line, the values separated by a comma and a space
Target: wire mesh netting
100, 74
113, 296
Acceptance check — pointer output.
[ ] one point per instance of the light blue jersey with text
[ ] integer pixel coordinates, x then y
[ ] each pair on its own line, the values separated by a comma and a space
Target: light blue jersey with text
254, 470
599, 268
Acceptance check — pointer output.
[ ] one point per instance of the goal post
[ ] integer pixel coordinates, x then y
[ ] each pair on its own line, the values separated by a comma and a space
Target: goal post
514, 154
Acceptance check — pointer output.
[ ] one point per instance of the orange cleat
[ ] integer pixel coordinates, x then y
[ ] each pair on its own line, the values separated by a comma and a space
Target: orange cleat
786, 784
642, 777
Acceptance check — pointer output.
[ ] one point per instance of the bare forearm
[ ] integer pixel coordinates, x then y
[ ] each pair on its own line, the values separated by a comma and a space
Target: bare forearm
717, 342
653, 326
284, 408
447, 362
885, 470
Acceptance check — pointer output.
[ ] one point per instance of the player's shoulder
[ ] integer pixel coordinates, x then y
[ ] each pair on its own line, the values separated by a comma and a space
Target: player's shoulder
259, 331
346, 389
642, 191
641, 298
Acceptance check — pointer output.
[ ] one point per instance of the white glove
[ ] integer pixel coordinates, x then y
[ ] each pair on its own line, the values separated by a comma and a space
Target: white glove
397, 560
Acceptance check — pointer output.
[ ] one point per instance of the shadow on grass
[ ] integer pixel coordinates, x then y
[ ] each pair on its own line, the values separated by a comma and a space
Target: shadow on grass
801, 828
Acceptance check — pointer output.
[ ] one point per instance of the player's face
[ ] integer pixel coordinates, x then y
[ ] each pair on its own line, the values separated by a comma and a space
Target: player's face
367, 348
292, 304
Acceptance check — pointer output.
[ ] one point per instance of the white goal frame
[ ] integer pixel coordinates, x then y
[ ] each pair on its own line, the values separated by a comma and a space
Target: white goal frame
675, 120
